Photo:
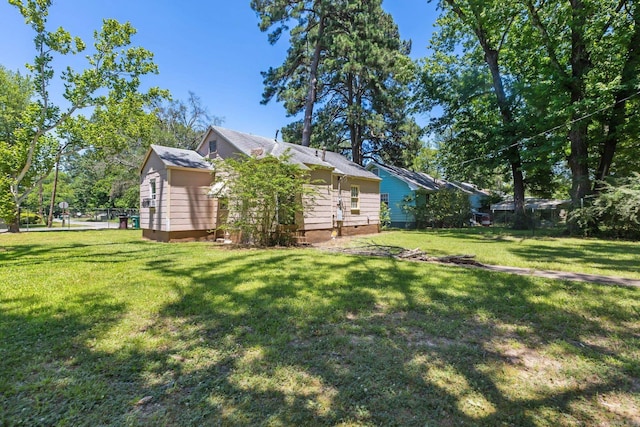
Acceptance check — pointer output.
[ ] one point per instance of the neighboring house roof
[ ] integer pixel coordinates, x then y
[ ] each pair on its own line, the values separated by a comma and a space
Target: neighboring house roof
178, 158
415, 180
530, 203
467, 188
305, 157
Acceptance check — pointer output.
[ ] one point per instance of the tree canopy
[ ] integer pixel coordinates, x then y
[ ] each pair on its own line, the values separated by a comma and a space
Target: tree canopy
348, 72
108, 88
548, 88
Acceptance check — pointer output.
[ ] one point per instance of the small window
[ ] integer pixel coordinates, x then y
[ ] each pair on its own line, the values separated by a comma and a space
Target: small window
384, 198
213, 146
355, 197
152, 189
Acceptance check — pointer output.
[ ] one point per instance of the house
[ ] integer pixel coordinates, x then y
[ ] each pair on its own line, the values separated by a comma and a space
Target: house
401, 187
477, 196
175, 185
173, 195
550, 211
397, 186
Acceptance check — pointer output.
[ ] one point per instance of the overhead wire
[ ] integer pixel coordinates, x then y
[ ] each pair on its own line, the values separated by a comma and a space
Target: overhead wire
553, 129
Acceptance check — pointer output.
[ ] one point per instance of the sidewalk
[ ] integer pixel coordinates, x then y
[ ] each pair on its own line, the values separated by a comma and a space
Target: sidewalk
564, 275
75, 226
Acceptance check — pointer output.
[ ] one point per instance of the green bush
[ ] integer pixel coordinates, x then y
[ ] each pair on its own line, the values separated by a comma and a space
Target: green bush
264, 193
385, 216
29, 218
614, 212
446, 208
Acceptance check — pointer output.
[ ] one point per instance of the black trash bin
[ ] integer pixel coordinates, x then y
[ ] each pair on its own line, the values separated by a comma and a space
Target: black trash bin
124, 222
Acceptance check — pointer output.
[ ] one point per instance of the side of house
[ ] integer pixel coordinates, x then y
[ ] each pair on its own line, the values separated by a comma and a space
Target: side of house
173, 196
393, 192
340, 204
400, 187
346, 200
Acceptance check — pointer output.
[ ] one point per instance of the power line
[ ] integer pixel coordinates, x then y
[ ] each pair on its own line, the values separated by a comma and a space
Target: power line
553, 129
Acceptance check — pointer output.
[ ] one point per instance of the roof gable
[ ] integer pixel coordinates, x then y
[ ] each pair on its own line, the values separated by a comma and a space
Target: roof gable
305, 157
178, 158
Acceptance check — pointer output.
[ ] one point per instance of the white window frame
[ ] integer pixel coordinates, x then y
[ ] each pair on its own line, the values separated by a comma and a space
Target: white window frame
213, 142
152, 188
355, 198
384, 198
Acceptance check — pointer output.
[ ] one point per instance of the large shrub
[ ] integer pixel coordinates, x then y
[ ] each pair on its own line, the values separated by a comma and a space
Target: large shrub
446, 208
29, 218
614, 212
265, 195
385, 215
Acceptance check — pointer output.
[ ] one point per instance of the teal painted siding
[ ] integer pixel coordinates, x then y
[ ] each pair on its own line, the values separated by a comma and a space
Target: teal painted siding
397, 190
476, 200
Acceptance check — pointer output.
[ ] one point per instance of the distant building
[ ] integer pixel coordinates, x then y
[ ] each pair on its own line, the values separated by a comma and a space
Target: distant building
399, 184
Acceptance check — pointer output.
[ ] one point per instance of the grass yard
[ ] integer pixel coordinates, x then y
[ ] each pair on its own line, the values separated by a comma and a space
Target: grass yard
102, 328
500, 246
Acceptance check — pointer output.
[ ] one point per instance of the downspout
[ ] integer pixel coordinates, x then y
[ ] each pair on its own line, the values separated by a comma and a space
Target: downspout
168, 218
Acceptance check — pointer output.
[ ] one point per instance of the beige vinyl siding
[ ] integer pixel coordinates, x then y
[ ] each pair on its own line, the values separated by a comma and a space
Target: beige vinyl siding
369, 202
191, 208
154, 218
323, 213
318, 214
224, 149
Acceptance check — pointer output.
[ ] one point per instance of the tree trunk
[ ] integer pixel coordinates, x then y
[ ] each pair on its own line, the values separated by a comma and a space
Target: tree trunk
14, 226
618, 116
579, 163
313, 86
519, 220
354, 138
53, 194
580, 65
40, 202
513, 152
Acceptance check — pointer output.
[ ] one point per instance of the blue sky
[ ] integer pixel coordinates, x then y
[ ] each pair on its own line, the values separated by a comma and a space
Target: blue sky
213, 48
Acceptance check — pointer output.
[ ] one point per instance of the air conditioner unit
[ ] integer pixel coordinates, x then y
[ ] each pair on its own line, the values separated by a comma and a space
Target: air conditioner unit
148, 203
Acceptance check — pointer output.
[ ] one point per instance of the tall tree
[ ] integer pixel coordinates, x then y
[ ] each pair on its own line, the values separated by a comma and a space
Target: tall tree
360, 85
15, 94
109, 85
307, 47
591, 58
569, 75
481, 28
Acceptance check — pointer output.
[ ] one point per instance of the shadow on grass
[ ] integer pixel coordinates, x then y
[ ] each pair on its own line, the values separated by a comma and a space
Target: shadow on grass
379, 343
291, 337
605, 255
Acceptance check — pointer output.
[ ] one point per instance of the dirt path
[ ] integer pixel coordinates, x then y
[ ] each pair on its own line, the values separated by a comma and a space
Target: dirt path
562, 275
468, 261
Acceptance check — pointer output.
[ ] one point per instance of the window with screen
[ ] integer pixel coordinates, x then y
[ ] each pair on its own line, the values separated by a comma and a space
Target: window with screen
355, 197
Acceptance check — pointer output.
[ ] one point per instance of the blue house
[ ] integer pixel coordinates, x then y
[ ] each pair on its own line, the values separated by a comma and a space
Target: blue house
404, 187
397, 185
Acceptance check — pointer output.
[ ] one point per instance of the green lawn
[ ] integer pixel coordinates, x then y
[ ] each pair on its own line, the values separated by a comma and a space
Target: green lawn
499, 246
102, 328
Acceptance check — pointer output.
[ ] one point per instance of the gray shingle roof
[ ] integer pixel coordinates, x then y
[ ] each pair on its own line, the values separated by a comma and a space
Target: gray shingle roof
179, 158
421, 180
304, 156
